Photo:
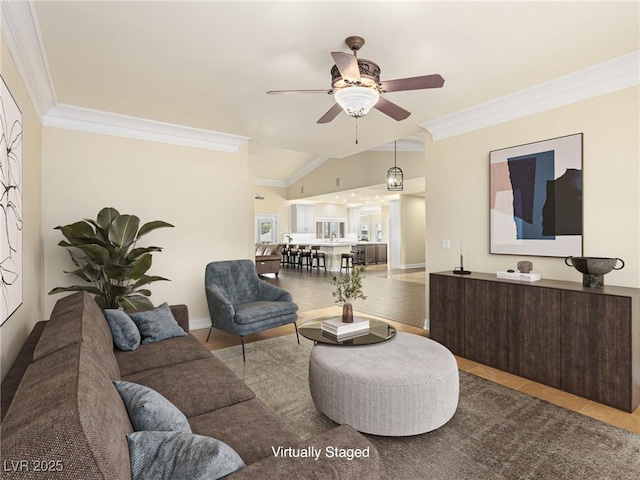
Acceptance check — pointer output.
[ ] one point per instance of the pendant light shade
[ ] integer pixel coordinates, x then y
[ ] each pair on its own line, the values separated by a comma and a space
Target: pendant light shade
357, 101
395, 176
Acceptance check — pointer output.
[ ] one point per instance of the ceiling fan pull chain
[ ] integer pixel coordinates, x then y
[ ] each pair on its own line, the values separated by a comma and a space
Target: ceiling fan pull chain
356, 130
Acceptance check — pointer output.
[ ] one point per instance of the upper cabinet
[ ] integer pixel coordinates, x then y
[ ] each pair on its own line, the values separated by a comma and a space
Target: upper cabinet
303, 218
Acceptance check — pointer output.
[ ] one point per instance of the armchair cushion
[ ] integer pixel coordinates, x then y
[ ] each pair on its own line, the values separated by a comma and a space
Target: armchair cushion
259, 311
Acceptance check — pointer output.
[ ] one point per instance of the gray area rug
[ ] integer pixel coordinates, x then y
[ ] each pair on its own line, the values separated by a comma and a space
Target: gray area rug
496, 433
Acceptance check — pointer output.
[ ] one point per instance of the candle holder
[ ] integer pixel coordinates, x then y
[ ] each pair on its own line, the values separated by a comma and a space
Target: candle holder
460, 270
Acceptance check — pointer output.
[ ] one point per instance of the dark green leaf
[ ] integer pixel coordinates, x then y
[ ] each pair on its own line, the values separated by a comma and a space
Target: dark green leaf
137, 252
148, 227
98, 254
79, 233
76, 288
115, 290
143, 291
144, 280
140, 266
116, 271
132, 303
101, 233
106, 216
123, 229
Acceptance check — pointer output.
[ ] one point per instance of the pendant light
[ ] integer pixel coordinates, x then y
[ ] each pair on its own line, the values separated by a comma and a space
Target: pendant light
394, 174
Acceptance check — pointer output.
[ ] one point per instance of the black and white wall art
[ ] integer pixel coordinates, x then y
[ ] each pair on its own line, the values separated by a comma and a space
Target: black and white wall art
10, 204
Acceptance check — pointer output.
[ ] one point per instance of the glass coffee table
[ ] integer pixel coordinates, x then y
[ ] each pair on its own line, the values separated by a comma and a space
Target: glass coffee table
379, 331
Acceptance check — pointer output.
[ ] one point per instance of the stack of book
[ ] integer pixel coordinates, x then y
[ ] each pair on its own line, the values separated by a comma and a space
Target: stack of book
336, 329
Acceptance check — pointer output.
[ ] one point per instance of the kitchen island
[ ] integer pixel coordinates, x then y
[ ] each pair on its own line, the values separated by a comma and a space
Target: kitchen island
333, 252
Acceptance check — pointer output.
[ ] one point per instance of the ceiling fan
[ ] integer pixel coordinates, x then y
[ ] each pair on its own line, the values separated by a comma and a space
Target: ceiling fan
356, 86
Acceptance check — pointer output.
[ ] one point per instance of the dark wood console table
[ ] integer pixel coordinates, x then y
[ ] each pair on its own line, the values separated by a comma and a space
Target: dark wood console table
585, 341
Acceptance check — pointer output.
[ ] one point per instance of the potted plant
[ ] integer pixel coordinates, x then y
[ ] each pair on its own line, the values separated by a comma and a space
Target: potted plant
106, 255
348, 289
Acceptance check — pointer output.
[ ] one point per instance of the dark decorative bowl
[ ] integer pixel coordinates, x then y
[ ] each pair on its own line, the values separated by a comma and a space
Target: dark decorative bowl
593, 268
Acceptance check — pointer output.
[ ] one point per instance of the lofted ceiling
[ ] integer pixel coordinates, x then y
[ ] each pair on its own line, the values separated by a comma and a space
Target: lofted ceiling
209, 64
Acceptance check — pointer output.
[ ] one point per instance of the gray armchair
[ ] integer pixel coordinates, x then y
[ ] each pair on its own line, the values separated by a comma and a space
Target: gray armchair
241, 303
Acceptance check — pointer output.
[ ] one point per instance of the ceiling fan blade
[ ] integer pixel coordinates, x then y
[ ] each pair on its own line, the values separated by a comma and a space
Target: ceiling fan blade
331, 114
391, 109
347, 65
286, 92
413, 83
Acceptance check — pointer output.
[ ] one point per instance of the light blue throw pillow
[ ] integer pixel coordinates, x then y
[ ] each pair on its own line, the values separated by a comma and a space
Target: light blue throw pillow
173, 455
148, 410
126, 335
157, 324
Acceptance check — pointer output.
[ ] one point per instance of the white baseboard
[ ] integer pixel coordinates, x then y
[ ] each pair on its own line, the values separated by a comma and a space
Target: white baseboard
412, 265
198, 323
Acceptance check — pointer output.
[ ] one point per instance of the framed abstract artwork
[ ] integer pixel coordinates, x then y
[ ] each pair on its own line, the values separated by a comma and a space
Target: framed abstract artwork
10, 204
536, 198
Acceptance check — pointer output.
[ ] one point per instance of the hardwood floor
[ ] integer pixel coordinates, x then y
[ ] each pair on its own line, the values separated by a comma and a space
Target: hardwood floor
398, 297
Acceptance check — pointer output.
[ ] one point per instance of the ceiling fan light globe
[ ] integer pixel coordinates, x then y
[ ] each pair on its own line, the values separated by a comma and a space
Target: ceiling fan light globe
357, 101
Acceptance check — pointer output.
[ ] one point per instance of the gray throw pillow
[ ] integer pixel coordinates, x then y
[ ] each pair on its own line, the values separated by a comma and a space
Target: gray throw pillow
157, 324
126, 335
172, 455
148, 410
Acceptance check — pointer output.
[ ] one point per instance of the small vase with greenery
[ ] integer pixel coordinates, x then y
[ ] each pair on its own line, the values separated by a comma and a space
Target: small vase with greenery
348, 289
106, 255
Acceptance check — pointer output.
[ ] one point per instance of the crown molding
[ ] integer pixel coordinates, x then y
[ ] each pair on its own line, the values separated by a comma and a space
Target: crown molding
97, 121
21, 30
308, 168
607, 77
402, 146
268, 182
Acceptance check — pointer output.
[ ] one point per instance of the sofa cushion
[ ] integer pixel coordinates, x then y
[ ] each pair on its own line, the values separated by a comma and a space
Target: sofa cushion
180, 455
195, 387
249, 427
77, 318
148, 410
67, 410
124, 331
154, 355
157, 324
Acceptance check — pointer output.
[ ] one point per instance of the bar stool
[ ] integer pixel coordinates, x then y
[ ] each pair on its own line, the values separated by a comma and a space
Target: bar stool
285, 255
293, 255
316, 255
304, 257
348, 258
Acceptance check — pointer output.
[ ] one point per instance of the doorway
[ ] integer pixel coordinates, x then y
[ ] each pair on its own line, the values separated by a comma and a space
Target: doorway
266, 228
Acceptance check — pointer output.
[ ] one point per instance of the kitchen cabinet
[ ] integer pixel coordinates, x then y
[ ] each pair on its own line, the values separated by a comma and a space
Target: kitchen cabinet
370, 253
303, 218
583, 340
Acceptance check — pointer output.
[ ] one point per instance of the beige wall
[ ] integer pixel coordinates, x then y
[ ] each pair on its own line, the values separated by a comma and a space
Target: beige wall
83, 172
16, 329
457, 187
412, 225
357, 171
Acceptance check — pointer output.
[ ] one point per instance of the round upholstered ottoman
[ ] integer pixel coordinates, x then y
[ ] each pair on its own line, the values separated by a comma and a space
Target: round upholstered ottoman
404, 386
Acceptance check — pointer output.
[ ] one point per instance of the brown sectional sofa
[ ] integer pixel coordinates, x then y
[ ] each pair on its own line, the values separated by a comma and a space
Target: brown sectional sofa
62, 413
268, 258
